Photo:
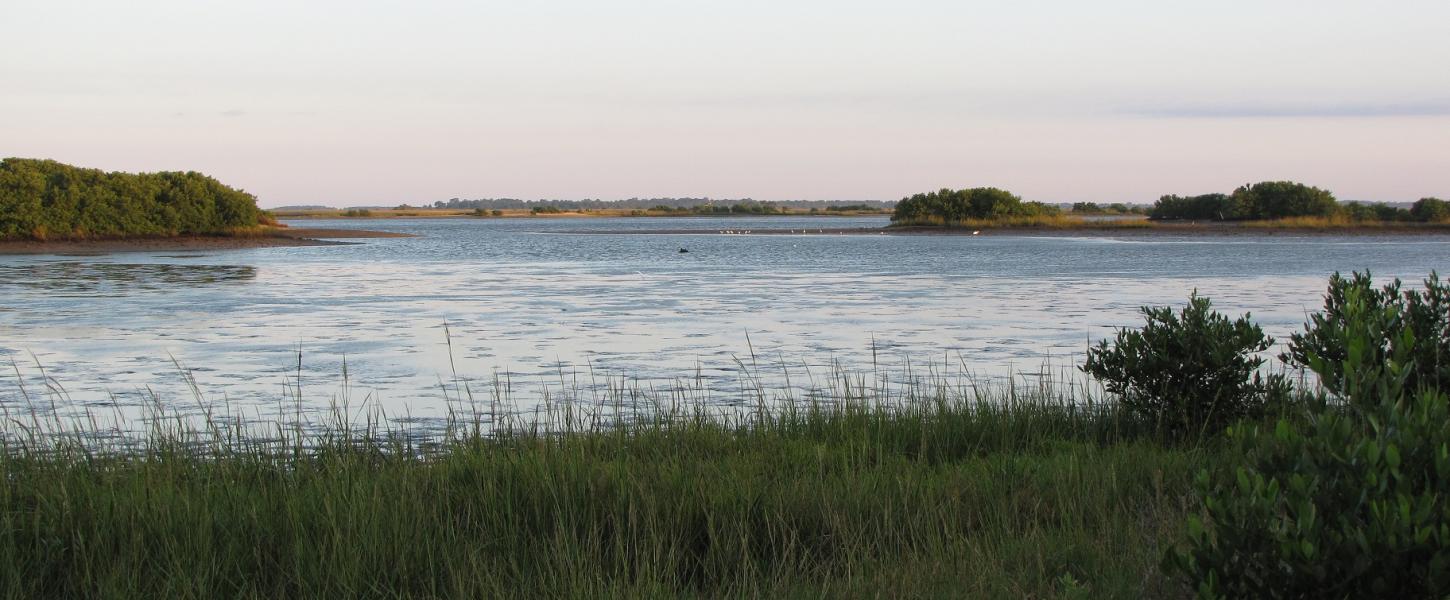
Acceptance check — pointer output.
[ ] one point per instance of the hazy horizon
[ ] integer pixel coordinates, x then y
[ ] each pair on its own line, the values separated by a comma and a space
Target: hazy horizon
371, 103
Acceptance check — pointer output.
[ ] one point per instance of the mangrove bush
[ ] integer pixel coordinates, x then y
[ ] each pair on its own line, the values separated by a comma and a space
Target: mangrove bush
43, 199
1285, 199
1347, 501
948, 206
1190, 373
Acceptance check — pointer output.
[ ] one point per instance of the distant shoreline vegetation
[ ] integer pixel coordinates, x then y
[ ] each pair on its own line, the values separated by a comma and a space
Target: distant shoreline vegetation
1272, 200
48, 200
609, 208
701, 205
948, 207
1269, 203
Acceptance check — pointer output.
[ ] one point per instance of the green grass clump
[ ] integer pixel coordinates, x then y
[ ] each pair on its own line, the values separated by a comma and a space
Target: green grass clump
939, 492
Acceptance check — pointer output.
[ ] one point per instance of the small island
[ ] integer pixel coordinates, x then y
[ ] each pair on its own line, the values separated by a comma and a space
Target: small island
47, 206
1264, 206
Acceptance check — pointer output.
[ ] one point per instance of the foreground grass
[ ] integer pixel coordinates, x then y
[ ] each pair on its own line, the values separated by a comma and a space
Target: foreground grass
939, 495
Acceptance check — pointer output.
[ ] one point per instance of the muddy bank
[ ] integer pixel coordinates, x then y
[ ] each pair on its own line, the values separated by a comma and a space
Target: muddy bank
290, 237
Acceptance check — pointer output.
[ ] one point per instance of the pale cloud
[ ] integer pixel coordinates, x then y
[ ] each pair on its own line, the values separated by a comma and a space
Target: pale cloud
372, 102
1307, 110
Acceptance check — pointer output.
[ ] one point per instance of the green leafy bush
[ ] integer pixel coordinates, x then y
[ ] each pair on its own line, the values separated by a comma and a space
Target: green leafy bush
1339, 506
1347, 502
948, 206
1279, 199
1375, 327
1430, 209
42, 199
1213, 207
1378, 211
1263, 200
1189, 373
1116, 208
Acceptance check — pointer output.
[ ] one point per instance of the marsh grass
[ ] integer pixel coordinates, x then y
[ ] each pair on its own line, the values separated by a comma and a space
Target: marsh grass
942, 487
1340, 221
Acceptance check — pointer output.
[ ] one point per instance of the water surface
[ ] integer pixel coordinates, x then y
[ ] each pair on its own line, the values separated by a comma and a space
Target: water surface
531, 303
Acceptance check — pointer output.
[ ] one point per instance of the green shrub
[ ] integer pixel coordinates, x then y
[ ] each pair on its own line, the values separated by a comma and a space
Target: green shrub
1348, 502
1378, 211
1116, 208
43, 199
1338, 506
1430, 209
1214, 207
950, 206
1375, 327
1279, 199
1264, 200
1189, 374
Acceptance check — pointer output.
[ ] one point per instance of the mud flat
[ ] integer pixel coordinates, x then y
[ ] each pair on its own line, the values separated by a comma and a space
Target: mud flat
289, 237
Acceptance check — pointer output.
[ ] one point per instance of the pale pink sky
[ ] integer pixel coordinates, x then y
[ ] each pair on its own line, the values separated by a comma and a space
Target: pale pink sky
353, 103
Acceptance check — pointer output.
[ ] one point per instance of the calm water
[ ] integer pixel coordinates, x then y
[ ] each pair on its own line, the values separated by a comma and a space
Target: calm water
529, 300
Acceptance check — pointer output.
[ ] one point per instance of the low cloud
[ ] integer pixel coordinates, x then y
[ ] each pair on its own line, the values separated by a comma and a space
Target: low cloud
1251, 111
235, 112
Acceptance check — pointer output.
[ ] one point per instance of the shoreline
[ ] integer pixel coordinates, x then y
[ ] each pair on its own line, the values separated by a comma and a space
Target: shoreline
278, 238
1107, 231
515, 213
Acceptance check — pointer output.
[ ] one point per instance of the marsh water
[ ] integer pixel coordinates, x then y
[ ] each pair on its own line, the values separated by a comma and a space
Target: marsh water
541, 303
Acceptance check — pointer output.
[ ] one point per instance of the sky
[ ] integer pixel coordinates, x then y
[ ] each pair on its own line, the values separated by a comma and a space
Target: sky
379, 103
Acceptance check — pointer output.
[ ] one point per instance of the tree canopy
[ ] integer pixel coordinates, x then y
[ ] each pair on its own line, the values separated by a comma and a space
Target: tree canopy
1280, 199
1430, 209
1214, 207
948, 206
45, 199
1264, 200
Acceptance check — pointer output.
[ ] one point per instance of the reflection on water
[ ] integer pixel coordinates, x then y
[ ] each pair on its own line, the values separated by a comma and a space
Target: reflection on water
118, 278
518, 301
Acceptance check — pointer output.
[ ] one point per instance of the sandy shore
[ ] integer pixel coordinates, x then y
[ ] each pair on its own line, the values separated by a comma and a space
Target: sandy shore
277, 238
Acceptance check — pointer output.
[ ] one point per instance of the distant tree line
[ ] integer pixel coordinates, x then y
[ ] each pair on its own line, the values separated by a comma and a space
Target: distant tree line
696, 205
738, 208
1281, 199
45, 199
1116, 208
302, 207
947, 206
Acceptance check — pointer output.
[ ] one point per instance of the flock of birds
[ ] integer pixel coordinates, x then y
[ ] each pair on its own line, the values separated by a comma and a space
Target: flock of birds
747, 232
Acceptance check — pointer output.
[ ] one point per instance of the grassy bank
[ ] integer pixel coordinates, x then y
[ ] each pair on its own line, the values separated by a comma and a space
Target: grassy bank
944, 491
1342, 223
